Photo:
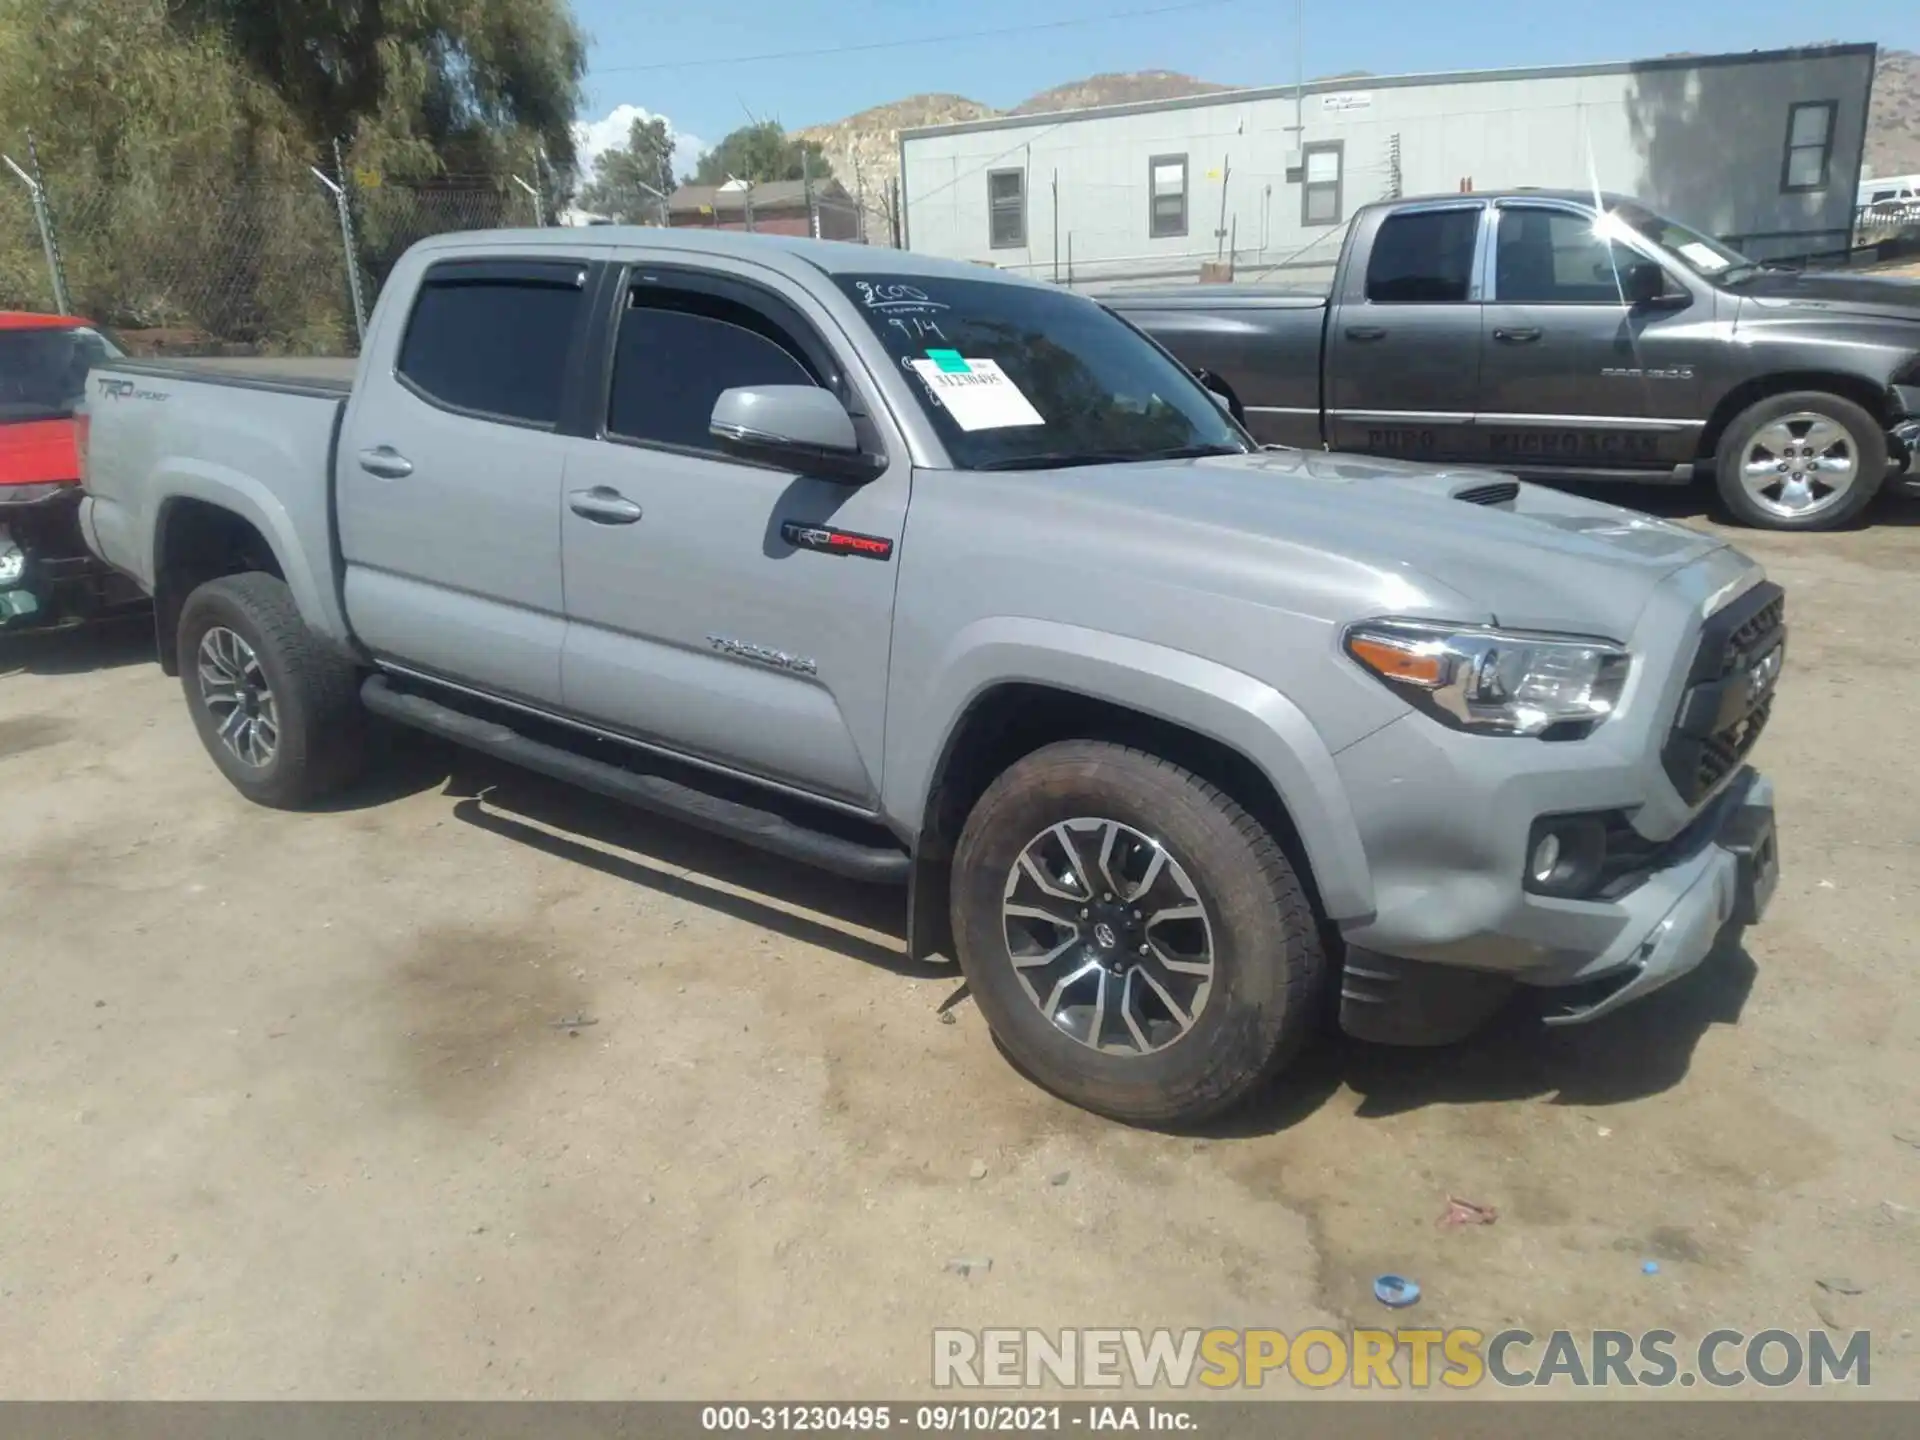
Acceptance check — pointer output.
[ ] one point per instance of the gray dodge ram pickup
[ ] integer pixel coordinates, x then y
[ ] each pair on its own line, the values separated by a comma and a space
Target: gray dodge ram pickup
1564, 339
931, 576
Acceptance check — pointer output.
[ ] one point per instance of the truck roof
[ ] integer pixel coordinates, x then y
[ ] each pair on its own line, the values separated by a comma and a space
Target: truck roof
792, 255
1608, 198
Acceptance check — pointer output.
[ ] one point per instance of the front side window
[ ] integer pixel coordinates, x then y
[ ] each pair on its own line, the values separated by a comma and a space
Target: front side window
43, 371
493, 347
677, 351
1007, 209
1552, 257
1320, 197
1167, 192
1424, 257
1809, 146
1019, 377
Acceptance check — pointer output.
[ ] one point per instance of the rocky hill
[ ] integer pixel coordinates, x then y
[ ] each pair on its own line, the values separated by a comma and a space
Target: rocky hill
1112, 89
864, 149
1893, 133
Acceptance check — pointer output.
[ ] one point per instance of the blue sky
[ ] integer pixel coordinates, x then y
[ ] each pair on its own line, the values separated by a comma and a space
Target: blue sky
685, 61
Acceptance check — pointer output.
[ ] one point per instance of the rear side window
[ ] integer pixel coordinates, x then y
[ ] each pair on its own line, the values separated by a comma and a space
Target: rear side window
1424, 258
678, 351
493, 347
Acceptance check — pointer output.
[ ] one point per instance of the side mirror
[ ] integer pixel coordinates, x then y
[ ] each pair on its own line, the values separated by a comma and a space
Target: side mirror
792, 425
1646, 285
1212, 387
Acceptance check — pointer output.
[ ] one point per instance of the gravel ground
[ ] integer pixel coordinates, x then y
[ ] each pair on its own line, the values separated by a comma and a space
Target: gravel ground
291, 1107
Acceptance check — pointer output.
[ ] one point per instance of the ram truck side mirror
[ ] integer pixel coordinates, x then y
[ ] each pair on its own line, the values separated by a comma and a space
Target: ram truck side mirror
1646, 287
800, 426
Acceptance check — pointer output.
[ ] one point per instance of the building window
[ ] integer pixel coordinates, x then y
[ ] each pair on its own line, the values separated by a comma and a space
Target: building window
1007, 209
1809, 146
1321, 167
1167, 192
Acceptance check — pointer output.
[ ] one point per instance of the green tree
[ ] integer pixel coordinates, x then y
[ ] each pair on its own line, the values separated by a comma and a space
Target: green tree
761, 152
443, 84
631, 181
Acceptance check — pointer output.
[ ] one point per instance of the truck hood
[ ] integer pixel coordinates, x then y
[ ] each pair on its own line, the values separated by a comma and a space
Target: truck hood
1541, 559
1874, 297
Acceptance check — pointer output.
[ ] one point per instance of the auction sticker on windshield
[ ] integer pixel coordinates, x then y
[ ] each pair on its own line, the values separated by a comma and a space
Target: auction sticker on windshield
978, 395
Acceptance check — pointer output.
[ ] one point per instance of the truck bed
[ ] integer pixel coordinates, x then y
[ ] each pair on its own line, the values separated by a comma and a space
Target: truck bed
323, 376
254, 436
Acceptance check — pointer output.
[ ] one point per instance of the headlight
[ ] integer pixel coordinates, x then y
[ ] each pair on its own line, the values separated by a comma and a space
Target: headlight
1494, 682
13, 560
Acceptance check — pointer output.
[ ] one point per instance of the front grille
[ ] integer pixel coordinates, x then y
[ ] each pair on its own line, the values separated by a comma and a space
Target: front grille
1729, 695
1499, 492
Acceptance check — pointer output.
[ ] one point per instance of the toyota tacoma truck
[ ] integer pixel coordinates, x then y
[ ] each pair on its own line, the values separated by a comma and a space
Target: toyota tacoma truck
1567, 337
947, 579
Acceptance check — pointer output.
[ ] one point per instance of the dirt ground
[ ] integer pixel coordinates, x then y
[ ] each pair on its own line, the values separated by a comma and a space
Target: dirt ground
290, 1108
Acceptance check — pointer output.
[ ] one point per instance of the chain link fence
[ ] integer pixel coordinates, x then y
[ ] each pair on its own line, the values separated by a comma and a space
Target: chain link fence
286, 264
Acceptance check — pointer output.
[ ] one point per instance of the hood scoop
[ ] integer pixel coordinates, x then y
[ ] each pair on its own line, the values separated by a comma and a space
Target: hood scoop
1496, 492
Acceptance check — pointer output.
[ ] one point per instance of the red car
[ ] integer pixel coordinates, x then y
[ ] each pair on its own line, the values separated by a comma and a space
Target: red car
47, 576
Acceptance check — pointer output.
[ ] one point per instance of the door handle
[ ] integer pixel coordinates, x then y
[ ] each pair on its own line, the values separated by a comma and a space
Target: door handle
1525, 335
385, 461
1364, 333
603, 505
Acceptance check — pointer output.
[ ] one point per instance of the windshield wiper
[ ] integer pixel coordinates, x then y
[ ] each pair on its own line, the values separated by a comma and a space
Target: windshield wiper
1108, 457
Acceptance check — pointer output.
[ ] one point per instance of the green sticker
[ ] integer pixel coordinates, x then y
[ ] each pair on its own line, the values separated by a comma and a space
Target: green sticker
950, 361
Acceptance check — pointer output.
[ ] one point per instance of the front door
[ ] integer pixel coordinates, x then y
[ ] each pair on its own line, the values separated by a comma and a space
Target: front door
1571, 376
705, 614
1403, 343
449, 477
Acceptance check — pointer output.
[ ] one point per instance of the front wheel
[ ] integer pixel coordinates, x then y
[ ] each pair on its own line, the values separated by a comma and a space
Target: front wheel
277, 709
1802, 461
1138, 943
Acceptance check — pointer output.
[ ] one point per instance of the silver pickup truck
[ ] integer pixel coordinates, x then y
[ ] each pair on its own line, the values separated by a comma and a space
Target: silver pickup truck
931, 576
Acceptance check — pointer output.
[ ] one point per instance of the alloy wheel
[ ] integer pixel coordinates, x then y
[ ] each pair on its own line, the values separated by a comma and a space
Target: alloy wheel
1109, 936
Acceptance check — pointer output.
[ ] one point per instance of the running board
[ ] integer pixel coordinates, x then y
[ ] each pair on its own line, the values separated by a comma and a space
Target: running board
762, 829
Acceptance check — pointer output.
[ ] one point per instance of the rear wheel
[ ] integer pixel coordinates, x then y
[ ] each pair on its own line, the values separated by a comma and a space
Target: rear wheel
1137, 942
277, 709
1801, 461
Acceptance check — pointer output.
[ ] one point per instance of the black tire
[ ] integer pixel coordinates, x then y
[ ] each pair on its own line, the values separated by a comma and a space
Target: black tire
1268, 962
1866, 438
315, 692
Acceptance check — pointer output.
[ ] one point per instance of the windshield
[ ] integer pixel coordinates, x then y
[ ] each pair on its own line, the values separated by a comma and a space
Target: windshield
1702, 254
43, 372
1019, 376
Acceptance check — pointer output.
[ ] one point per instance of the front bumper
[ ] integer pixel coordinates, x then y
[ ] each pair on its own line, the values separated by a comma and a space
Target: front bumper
1447, 823
1729, 878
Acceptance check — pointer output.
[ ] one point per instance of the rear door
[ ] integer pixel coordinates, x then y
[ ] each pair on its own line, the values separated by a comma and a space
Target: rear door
1572, 377
1403, 347
706, 615
450, 470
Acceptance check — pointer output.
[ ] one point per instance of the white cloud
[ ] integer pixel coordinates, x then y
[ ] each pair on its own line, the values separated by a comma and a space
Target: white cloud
592, 137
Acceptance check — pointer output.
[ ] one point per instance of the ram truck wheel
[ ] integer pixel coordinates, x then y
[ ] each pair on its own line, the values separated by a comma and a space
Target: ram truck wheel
1802, 461
1138, 943
276, 707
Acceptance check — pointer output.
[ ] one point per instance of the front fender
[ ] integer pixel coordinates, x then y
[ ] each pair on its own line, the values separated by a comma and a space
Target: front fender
1234, 709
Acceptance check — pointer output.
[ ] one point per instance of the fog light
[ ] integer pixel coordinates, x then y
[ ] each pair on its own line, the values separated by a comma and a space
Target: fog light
1546, 859
1565, 855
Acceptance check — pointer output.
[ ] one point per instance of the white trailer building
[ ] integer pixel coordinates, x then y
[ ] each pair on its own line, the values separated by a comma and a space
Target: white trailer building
1762, 149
